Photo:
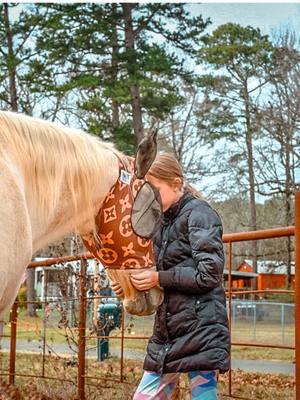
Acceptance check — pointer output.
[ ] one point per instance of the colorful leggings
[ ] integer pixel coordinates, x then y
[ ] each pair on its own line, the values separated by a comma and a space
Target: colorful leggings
160, 387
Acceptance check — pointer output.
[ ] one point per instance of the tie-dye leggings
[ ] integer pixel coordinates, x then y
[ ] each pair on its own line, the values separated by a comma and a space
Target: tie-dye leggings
160, 387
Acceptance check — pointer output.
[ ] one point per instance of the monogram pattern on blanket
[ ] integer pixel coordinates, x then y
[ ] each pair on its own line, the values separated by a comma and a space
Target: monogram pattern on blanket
120, 249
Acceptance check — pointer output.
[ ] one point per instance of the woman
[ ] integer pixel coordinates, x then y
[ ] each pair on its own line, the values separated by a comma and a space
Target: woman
190, 332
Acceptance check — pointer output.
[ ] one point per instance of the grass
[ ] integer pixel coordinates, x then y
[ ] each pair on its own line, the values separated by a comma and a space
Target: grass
31, 329
249, 385
242, 332
258, 353
107, 385
264, 333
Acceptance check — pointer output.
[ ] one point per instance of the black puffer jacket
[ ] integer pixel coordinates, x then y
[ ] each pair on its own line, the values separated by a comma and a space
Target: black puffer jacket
191, 327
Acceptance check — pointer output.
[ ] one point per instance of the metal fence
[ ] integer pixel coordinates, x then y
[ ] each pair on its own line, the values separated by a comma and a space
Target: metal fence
253, 320
244, 316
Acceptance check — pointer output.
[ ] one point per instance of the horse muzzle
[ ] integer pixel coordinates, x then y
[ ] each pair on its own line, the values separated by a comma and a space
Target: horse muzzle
136, 302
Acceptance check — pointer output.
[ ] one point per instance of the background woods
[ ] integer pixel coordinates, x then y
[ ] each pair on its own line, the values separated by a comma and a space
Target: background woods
226, 102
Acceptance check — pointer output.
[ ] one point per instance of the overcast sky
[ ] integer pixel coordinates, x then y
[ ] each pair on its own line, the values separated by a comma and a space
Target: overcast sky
266, 16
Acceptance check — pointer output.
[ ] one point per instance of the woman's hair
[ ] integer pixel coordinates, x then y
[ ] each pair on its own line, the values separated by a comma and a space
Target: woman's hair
166, 167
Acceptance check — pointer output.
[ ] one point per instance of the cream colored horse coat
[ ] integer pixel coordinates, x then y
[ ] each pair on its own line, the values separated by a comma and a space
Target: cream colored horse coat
53, 181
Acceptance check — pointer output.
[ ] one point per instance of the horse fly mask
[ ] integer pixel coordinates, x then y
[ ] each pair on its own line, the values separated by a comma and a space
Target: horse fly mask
125, 224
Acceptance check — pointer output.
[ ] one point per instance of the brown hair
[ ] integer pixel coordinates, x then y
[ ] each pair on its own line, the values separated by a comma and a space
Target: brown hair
166, 167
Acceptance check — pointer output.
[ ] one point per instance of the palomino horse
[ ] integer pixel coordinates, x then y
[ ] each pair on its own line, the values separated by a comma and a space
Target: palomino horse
53, 181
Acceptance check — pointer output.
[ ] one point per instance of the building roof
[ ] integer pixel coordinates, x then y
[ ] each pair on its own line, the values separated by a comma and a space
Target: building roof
271, 267
235, 275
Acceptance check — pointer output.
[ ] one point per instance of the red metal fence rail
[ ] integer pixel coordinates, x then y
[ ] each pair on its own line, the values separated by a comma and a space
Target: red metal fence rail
227, 238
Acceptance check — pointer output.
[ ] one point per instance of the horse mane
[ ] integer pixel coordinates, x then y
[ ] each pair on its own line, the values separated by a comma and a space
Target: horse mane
51, 155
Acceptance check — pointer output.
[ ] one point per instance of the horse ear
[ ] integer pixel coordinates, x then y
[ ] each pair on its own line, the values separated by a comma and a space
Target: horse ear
146, 153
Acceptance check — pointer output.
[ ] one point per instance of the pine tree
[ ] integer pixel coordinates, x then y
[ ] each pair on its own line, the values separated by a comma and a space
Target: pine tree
239, 58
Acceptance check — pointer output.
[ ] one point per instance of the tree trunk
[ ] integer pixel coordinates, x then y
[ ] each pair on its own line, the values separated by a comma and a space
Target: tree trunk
134, 88
11, 61
114, 68
288, 215
253, 222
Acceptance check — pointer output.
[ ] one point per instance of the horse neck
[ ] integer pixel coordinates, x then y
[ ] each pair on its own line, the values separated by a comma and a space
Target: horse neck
64, 219
64, 174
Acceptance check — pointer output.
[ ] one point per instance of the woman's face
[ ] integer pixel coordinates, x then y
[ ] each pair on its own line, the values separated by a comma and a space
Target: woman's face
169, 194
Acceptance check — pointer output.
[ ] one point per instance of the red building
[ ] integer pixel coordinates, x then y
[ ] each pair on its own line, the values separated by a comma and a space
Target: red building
270, 275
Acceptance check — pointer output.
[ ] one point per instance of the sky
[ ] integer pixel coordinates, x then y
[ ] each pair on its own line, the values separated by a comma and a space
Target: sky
266, 16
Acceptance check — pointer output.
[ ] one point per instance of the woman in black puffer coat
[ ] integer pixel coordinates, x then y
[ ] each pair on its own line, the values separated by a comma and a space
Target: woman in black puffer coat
191, 327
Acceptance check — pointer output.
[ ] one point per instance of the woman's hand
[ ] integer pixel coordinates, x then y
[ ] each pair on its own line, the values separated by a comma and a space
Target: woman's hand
144, 280
117, 289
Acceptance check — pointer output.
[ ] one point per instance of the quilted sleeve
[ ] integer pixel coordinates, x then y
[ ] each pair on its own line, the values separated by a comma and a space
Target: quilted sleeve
206, 270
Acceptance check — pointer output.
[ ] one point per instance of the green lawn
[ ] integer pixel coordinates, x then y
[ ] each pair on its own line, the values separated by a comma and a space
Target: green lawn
33, 328
264, 333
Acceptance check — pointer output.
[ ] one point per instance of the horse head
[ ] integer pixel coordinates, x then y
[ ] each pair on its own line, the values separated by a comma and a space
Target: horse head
124, 224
